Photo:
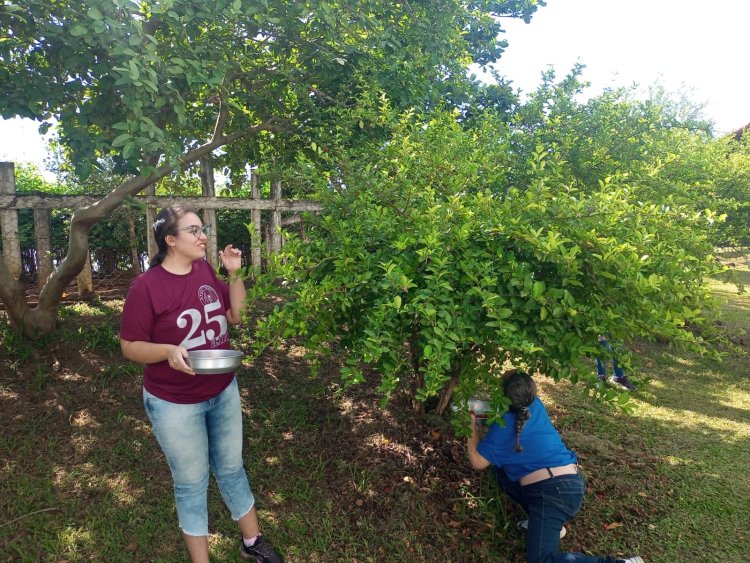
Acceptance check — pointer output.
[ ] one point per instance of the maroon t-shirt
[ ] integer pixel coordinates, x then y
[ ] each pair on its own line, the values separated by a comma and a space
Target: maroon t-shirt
186, 310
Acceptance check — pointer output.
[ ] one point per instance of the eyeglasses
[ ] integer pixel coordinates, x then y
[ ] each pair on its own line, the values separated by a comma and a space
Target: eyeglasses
196, 231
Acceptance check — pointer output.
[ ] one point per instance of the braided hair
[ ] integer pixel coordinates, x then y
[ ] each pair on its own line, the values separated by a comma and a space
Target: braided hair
521, 390
165, 225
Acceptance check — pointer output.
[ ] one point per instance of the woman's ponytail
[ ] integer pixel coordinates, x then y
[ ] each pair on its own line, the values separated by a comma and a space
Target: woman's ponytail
521, 390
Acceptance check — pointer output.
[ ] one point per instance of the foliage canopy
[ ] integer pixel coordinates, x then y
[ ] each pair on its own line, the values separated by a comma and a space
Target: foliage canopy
453, 248
153, 86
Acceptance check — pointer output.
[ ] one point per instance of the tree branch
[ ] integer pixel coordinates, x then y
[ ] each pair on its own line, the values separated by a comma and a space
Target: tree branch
326, 97
86, 217
51, 509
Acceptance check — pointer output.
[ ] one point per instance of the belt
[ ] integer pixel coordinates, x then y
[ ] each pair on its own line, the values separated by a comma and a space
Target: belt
548, 472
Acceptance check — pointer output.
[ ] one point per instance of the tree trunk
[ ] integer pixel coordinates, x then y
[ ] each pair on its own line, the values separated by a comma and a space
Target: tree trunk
86, 280
445, 396
418, 379
13, 295
42, 320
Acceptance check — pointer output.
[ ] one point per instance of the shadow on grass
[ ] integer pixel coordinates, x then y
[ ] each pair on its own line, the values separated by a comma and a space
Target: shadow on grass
694, 385
734, 276
335, 476
679, 452
338, 478
350, 480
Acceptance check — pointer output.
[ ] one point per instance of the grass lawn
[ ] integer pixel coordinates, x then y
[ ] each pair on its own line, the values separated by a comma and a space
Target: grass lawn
337, 478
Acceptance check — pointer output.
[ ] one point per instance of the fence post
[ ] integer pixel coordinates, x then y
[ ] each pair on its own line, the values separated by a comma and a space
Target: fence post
208, 188
43, 245
134, 257
9, 221
255, 217
276, 218
150, 240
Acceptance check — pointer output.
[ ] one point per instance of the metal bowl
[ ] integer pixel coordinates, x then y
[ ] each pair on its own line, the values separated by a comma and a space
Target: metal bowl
209, 362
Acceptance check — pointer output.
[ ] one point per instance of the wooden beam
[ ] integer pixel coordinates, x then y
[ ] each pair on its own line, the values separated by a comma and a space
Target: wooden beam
40, 200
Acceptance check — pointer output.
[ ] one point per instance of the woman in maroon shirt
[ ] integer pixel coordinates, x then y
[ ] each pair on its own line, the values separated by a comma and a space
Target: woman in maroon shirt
180, 304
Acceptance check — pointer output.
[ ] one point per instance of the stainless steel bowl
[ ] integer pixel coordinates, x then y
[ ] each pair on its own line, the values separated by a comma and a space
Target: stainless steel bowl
209, 362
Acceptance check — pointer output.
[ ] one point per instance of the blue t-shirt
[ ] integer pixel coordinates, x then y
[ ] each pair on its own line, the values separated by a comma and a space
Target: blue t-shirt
542, 444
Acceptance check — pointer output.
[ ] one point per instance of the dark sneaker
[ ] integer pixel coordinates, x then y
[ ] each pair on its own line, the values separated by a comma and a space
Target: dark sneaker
261, 551
601, 376
624, 382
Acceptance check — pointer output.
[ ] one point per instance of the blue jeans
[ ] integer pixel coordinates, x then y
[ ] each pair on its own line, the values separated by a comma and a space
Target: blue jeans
549, 504
197, 438
601, 370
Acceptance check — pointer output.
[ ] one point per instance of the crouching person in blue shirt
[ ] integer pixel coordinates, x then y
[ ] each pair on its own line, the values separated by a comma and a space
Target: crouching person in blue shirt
532, 465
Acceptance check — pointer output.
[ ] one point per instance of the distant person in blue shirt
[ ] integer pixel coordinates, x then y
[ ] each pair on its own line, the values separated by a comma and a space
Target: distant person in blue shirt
532, 465
618, 377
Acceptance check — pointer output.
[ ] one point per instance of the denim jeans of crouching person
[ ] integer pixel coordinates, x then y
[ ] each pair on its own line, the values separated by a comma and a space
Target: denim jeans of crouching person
548, 504
197, 439
601, 369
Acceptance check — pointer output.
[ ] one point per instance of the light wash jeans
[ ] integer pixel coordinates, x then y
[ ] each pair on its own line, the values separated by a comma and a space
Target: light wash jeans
197, 438
549, 504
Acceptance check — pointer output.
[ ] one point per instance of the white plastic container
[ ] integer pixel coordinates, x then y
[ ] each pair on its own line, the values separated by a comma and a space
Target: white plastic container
480, 409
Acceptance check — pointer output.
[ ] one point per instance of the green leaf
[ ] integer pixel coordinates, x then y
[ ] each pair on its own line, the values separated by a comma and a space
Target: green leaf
78, 30
537, 289
134, 73
94, 13
128, 151
121, 140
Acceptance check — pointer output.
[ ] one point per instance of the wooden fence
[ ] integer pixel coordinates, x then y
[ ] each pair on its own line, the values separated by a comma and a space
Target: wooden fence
42, 204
